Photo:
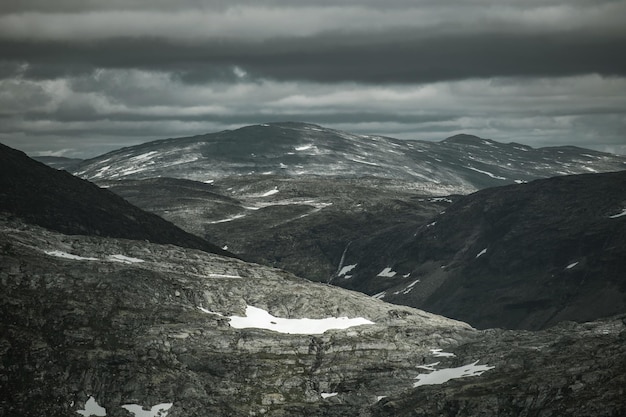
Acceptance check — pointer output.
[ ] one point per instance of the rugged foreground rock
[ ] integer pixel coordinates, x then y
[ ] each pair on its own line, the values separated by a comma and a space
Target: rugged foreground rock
95, 326
568, 370
129, 331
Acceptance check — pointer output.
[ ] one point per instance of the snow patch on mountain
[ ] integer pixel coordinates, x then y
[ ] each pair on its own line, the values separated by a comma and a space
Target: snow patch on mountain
346, 269
408, 288
227, 219
258, 318
232, 276
615, 216
112, 258
439, 353
65, 255
441, 376
387, 273
124, 259
159, 410
572, 265
270, 192
92, 408
144, 157
497, 177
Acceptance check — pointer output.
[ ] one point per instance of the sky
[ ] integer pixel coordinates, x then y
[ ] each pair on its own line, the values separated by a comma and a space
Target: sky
82, 77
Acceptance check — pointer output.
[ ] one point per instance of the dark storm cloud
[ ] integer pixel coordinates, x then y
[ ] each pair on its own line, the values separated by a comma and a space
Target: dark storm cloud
78, 76
12, 6
401, 57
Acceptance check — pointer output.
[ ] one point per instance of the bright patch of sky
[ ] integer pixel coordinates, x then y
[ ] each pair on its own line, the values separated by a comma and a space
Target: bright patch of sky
258, 318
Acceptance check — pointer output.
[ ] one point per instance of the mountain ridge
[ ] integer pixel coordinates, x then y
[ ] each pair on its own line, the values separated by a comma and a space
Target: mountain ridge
56, 199
300, 149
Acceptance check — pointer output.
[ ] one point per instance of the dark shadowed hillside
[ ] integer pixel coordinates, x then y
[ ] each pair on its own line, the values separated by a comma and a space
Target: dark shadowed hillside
521, 256
59, 201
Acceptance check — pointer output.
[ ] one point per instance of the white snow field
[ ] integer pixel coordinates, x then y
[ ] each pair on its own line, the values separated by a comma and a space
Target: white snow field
111, 258
440, 376
159, 410
92, 408
257, 318
615, 216
387, 273
65, 255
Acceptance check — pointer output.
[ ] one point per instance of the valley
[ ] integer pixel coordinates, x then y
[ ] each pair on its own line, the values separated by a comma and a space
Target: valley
428, 224
289, 270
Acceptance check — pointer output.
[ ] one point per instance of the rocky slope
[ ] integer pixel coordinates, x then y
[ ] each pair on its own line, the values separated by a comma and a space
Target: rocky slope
129, 322
101, 326
568, 370
540, 253
301, 225
57, 200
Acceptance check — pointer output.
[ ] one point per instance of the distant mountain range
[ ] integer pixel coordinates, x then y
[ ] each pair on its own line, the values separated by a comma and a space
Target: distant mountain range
59, 162
457, 165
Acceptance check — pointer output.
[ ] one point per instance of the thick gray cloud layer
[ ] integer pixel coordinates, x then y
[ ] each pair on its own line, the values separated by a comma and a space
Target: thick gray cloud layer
81, 77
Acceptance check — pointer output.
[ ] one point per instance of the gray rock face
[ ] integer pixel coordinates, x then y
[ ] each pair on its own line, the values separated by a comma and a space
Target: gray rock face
92, 323
89, 319
568, 370
301, 225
